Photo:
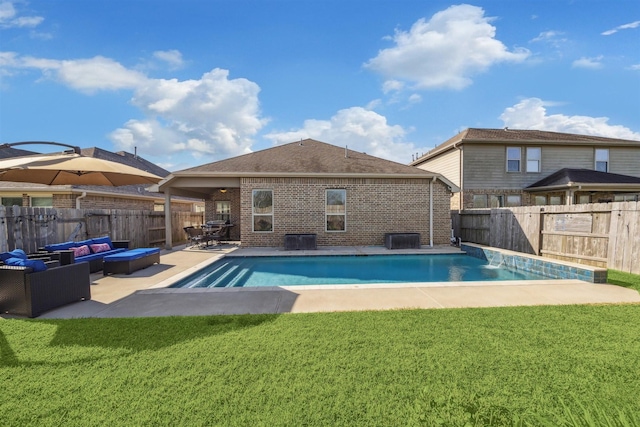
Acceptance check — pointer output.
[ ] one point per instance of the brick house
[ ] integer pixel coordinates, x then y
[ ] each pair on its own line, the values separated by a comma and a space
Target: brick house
508, 167
133, 197
345, 197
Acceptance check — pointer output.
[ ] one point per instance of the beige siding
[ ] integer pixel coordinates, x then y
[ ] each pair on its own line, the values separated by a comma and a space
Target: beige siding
447, 165
485, 165
625, 161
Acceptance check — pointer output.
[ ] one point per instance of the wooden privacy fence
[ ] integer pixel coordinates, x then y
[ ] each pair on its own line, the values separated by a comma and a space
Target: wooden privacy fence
602, 234
31, 228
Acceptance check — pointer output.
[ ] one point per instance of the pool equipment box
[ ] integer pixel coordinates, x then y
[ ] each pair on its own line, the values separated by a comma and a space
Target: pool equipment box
402, 240
299, 241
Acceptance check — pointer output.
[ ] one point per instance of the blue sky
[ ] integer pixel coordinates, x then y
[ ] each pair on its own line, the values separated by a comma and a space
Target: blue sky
187, 82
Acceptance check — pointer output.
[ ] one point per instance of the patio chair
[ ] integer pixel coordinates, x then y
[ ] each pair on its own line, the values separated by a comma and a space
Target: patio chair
221, 234
196, 236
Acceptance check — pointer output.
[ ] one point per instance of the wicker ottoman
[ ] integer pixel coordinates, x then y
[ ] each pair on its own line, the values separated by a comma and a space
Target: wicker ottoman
129, 261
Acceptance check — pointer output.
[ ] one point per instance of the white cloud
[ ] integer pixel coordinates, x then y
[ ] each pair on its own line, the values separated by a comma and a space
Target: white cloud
171, 57
415, 98
635, 67
359, 129
551, 37
446, 51
98, 73
9, 18
634, 24
392, 85
86, 75
531, 113
210, 116
589, 63
213, 115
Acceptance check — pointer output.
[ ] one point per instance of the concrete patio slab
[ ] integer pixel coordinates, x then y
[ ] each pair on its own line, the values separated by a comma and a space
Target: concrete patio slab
145, 293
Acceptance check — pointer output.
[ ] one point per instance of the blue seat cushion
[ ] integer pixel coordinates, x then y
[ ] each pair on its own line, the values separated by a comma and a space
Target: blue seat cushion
59, 246
99, 255
131, 254
35, 264
16, 253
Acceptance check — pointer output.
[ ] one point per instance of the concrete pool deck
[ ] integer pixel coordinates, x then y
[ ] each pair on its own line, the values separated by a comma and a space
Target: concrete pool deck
145, 294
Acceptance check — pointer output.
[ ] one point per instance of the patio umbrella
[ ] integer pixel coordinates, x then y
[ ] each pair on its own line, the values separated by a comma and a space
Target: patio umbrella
72, 169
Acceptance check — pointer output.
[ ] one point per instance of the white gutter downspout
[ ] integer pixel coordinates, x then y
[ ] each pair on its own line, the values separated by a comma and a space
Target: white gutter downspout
82, 196
431, 211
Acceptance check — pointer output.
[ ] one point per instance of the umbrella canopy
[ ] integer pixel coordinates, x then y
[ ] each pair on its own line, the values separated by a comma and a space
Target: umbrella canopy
72, 169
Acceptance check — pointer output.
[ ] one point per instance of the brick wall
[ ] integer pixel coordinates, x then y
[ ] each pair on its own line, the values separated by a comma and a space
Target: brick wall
232, 195
374, 207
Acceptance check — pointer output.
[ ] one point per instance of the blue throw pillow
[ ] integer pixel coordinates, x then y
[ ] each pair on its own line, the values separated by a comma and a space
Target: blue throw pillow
16, 253
35, 264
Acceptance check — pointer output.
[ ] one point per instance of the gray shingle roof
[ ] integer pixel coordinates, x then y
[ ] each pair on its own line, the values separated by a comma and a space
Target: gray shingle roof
567, 176
522, 136
306, 157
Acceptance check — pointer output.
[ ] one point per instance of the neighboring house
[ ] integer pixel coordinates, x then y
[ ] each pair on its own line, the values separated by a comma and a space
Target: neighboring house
134, 197
346, 198
508, 167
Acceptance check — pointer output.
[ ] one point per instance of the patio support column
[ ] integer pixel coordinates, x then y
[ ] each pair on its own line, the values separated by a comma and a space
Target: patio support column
168, 241
431, 211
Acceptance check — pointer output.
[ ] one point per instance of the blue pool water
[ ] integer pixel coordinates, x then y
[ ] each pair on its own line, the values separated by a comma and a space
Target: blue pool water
342, 270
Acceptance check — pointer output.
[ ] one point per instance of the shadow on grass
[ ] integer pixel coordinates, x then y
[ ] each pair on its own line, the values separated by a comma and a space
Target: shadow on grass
151, 333
128, 334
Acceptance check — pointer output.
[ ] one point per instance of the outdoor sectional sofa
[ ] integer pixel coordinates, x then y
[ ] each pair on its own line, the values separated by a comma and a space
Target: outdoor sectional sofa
92, 251
34, 286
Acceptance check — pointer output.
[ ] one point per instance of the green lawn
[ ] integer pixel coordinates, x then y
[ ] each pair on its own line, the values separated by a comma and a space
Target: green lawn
621, 278
495, 366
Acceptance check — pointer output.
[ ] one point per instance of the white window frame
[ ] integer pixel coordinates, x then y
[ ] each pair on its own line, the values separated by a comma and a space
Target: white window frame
266, 213
327, 210
534, 161
597, 160
513, 159
222, 214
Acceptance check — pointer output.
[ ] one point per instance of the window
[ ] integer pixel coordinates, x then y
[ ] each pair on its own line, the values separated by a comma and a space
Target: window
513, 159
336, 210
262, 205
602, 159
480, 201
488, 201
42, 202
496, 201
556, 200
223, 211
582, 199
534, 155
540, 200
11, 201
626, 197
514, 200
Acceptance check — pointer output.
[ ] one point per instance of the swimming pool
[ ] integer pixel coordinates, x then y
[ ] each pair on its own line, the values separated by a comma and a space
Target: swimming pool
342, 270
